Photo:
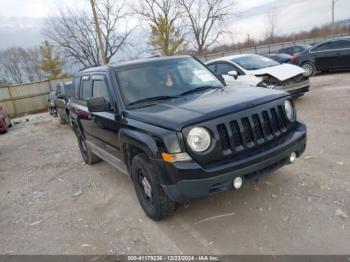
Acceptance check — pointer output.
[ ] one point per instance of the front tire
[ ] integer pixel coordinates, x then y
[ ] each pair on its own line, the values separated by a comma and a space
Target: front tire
309, 68
150, 194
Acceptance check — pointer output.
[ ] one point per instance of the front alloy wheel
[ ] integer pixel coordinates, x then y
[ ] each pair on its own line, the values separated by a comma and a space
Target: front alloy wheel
309, 68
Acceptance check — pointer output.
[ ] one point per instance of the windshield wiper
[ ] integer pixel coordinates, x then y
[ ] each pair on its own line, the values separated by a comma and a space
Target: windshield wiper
151, 99
201, 88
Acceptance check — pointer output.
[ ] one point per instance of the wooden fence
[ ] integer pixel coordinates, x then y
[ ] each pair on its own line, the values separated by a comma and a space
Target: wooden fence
27, 98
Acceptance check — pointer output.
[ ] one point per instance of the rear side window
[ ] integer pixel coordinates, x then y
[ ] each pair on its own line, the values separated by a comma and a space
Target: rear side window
212, 67
341, 44
298, 49
323, 47
99, 89
76, 85
224, 68
68, 90
86, 90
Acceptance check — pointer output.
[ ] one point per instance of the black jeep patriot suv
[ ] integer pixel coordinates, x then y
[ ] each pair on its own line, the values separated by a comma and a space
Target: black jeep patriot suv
179, 132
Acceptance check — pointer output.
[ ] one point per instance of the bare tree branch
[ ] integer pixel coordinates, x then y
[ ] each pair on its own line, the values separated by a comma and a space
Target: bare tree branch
76, 35
20, 65
204, 17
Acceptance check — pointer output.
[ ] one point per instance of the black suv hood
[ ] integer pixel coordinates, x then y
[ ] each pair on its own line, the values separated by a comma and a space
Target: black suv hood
180, 112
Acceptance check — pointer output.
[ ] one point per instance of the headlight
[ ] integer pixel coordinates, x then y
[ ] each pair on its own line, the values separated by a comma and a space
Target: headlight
288, 107
198, 139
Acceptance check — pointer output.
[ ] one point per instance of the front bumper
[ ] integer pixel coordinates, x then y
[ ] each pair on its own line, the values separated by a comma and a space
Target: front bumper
297, 89
193, 181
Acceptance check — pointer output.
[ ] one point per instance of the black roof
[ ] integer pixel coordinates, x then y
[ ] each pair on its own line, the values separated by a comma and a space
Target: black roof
132, 62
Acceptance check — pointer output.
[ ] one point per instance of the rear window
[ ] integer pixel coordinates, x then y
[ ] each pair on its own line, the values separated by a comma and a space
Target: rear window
99, 89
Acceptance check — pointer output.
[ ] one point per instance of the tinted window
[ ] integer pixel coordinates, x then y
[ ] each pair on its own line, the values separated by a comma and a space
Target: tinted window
68, 89
59, 90
86, 90
164, 78
76, 84
99, 89
298, 49
212, 67
340, 44
224, 68
322, 47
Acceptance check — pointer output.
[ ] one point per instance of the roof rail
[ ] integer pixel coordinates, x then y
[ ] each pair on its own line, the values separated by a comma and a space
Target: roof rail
87, 67
153, 56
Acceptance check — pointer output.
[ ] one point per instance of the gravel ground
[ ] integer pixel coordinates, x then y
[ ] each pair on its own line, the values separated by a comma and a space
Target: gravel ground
52, 203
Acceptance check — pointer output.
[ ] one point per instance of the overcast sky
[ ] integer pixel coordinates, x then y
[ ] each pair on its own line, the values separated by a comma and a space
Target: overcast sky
21, 20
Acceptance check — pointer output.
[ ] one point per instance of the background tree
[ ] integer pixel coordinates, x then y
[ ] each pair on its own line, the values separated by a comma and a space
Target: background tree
162, 15
19, 65
75, 32
204, 17
50, 62
166, 37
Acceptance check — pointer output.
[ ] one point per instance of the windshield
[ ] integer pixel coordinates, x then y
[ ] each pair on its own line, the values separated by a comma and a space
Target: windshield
164, 79
254, 62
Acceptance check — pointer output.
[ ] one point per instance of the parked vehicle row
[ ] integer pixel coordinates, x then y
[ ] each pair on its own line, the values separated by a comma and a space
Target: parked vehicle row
58, 102
179, 131
292, 50
329, 55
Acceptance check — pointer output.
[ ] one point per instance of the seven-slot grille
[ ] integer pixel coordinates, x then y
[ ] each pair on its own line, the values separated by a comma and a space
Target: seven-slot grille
251, 131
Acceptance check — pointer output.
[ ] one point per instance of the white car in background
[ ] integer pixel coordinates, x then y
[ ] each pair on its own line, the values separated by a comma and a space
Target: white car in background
255, 70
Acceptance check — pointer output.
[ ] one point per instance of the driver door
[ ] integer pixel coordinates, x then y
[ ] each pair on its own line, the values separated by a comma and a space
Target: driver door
103, 127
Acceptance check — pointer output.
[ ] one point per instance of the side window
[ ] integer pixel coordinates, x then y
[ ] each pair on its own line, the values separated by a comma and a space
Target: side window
86, 89
211, 67
224, 68
323, 47
99, 88
59, 91
298, 49
340, 44
76, 85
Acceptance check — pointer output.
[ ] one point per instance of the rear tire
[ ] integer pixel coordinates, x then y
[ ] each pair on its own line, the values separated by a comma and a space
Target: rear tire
310, 68
150, 193
88, 156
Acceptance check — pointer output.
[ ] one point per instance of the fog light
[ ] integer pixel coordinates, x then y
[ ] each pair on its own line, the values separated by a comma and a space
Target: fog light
292, 157
237, 182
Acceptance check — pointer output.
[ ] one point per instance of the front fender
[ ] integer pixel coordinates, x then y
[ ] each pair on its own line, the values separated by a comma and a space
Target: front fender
141, 140
151, 145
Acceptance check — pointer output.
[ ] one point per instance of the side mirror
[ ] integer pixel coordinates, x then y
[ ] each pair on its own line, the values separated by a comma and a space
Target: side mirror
98, 104
233, 73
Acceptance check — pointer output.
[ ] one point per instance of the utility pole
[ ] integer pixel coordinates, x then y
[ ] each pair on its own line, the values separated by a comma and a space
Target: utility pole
98, 31
333, 7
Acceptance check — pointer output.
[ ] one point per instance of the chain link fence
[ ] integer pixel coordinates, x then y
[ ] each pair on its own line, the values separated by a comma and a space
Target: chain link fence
266, 49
